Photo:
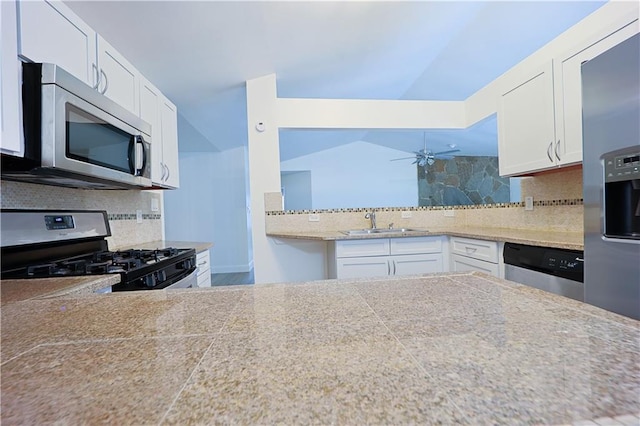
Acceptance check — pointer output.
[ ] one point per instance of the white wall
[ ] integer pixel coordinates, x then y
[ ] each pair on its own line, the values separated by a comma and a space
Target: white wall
371, 181
296, 190
210, 206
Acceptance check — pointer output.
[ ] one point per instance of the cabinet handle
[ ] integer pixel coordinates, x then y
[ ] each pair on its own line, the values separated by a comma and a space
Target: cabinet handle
549, 151
470, 249
202, 263
557, 147
95, 68
168, 172
388, 268
106, 82
394, 267
164, 171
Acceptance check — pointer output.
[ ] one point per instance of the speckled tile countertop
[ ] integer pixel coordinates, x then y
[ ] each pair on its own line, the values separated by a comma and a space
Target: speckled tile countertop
160, 244
434, 349
41, 288
566, 240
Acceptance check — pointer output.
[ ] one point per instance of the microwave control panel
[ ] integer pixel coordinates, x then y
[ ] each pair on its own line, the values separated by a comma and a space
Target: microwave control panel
621, 167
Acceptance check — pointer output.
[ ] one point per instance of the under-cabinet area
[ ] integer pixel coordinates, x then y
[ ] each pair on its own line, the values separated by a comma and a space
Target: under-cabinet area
398, 256
386, 257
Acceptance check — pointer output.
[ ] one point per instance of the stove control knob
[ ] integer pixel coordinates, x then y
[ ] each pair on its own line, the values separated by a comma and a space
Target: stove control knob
185, 264
149, 280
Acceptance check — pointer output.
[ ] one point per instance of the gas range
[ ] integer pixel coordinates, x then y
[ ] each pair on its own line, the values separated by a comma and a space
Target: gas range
45, 243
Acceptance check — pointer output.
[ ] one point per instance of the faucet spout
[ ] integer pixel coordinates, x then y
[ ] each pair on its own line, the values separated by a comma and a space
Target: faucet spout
372, 216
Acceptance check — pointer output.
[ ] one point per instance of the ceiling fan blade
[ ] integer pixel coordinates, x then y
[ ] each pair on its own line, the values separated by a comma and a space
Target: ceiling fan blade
446, 152
403, 158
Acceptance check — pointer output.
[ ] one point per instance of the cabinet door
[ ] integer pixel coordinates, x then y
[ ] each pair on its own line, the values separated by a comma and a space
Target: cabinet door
169, 118
526, 134
150, 101
118, 78
467, 264
204, 269
568, 78
10, 140
51, 32
417, 264
359, 267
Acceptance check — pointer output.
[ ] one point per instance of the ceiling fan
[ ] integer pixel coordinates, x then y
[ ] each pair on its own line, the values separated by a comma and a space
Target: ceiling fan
424, 158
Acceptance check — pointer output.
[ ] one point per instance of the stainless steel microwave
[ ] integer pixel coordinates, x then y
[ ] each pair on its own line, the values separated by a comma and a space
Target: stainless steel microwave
76, 137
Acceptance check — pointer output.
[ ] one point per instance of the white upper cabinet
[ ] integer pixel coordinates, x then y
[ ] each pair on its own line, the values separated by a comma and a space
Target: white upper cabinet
540, 119
117, 78
150, 101
526, 134
158, 111
10, 136
169, 118
568, 80
51, 32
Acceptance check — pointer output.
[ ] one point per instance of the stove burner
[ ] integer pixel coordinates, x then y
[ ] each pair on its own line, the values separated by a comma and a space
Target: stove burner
128, 264
98, 268
74, 265
103, 256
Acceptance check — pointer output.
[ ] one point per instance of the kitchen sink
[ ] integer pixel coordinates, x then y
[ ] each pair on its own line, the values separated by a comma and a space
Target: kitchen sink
380, 231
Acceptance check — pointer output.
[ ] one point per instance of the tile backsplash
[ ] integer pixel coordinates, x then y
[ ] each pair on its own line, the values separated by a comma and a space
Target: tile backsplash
558, 206
121, 206
558, 184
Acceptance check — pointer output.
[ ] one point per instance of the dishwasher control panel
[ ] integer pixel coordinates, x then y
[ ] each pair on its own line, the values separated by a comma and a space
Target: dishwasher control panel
552, 261
561, 261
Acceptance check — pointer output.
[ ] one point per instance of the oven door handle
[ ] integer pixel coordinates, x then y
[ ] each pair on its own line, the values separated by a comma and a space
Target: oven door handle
189, 281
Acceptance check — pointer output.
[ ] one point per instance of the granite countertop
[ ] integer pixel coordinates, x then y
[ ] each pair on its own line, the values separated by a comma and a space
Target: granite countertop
152, 245
41, 288
566, 240
433, 349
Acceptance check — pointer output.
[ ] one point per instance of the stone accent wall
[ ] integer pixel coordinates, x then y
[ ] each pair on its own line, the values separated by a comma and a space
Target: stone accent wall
462, 181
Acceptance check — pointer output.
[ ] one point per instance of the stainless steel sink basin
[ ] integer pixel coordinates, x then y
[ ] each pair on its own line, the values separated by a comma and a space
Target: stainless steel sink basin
380, 231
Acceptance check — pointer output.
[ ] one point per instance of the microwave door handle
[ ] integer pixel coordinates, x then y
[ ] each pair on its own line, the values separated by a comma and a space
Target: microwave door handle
132, 155
143, 166
137, 155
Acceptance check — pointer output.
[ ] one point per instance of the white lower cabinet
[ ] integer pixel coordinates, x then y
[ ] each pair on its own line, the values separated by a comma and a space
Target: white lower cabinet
469, 254
386, 257
203, 261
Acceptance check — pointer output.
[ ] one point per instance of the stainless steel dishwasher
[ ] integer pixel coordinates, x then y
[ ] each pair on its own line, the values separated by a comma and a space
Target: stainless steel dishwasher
558, 271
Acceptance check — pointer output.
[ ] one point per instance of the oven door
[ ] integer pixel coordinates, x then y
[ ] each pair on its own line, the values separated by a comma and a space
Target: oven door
81, 138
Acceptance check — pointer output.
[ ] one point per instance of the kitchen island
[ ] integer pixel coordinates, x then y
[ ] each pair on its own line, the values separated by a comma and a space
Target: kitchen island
433, 349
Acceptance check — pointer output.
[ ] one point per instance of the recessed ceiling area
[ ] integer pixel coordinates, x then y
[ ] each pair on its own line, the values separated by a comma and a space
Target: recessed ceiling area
200, 53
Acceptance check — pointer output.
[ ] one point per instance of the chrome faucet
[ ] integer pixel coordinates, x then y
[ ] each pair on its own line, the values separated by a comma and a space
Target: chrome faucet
372, 216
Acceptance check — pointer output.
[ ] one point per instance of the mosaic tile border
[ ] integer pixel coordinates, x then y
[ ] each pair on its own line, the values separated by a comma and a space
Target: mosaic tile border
132, 216
542, 203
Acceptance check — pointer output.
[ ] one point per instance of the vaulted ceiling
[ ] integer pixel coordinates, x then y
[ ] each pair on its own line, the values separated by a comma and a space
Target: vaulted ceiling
201, 53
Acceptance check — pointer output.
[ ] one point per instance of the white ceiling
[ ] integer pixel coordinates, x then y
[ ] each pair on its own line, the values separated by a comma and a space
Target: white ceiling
201, 53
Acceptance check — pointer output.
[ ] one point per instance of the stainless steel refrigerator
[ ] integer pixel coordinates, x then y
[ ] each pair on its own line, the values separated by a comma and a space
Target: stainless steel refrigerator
611, 178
